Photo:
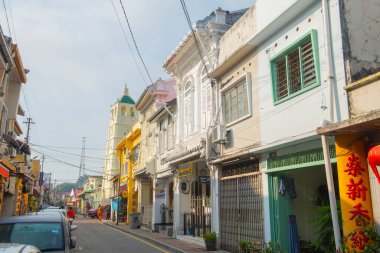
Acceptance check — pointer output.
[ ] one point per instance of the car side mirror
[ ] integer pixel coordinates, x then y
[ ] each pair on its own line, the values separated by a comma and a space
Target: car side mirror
73, 242
73, 227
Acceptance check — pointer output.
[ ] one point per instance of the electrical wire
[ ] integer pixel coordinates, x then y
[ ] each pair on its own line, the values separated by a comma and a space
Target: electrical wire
13, 23
6, 16
67, 153
129, 45
67, 163
134, 42
196, 41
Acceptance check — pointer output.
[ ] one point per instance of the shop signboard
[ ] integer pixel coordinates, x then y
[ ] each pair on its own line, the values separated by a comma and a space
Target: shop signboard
41, 179
354, 188
204, 179
123, 186
185, 169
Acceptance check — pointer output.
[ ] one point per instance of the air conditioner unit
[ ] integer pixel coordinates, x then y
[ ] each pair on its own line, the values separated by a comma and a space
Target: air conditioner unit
219, 134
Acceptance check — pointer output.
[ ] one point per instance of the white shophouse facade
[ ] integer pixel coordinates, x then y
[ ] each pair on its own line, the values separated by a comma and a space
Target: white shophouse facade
193, 180
295, 86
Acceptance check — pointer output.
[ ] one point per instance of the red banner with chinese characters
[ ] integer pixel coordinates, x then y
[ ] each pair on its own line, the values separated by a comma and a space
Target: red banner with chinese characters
354, 188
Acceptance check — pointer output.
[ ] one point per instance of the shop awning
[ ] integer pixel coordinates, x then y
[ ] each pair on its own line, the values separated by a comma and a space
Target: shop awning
8, 165
361, 124
139, 172
114, 178
4, 172
11, 141
24, 147
28, 177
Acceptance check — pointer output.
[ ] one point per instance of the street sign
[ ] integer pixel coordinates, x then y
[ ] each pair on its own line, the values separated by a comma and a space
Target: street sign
204, 179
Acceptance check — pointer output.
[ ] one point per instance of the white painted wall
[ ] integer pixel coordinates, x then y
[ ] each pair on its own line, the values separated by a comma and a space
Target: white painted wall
304, 113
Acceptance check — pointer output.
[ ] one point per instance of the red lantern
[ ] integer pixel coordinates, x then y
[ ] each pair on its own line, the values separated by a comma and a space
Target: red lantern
374, 160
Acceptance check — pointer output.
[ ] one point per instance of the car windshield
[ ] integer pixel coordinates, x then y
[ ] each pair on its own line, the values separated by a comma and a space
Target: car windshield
45, 236
63, 212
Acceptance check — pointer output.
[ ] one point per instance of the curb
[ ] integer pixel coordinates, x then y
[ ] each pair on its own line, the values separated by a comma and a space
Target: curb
162, 244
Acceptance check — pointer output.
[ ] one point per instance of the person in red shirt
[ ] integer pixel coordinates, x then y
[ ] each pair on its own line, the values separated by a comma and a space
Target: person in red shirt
71, 213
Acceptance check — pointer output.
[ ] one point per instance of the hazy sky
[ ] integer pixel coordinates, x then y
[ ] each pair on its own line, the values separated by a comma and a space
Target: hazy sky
79, 63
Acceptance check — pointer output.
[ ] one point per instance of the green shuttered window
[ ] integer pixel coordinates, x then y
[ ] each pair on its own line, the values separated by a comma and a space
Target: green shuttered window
296, 69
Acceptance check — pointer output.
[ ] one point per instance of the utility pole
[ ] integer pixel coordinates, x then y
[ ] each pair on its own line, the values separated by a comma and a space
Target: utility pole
54, 191
82, 167
29, 122
49, 188
41, 180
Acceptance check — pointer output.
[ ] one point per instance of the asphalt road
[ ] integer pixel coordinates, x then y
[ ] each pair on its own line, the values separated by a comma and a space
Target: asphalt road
94, 237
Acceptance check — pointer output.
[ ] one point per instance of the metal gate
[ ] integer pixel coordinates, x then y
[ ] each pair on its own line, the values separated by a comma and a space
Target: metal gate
241, 210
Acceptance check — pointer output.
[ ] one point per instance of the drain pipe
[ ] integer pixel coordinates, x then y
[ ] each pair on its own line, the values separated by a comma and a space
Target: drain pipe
324, 138
329, 56
331, 189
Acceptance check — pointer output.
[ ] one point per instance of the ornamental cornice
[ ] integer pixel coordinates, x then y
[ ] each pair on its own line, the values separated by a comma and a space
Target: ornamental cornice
299, 159
189, 63
182, 154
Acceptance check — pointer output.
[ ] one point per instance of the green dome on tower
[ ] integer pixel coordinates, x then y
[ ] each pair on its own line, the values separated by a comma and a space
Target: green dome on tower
126, 99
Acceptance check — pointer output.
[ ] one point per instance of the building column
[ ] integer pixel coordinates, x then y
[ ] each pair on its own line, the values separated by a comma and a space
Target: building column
266, 207
215, 201
176, 207
140, 195
154, 205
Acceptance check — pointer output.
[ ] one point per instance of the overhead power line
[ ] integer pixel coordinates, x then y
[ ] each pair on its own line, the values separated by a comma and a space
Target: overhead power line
70, 164
13, 22
134, 42
67, 153
196, 41
127, 41
6, 16
63, 147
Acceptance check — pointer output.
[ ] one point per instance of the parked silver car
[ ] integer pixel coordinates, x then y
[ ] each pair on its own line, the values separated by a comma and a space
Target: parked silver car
17, 248
47, 232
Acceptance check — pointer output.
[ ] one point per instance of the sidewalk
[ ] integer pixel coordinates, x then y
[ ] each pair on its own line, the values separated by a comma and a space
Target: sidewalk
162, 240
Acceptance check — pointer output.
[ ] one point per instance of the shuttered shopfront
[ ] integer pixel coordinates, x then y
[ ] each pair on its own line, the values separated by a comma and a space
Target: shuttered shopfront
241, 205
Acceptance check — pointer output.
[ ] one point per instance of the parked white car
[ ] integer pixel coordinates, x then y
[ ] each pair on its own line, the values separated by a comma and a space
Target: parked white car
17, 248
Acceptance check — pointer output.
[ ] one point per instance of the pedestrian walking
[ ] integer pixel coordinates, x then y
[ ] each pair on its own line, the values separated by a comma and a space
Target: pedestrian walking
71, 213
100, 213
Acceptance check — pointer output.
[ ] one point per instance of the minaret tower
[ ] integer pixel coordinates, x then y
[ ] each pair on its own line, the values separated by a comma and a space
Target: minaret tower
122, 117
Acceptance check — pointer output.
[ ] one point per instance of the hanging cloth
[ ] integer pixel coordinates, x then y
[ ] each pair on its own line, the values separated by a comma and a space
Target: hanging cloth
282, 188
291, 188
293, 235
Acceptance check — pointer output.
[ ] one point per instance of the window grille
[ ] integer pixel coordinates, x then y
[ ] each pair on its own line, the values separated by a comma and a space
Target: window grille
295, 70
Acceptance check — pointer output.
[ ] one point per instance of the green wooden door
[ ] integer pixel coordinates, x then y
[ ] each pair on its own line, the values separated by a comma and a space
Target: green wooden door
280, 209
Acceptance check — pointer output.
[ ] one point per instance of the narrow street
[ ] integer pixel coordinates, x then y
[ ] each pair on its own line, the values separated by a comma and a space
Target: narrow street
95, 237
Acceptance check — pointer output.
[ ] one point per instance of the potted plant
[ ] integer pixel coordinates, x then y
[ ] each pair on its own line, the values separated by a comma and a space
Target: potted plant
245, 246
210, 240
272, 247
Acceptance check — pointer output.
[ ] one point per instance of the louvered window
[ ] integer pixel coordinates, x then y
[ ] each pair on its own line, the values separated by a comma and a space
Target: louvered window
295, 70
